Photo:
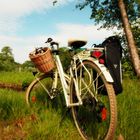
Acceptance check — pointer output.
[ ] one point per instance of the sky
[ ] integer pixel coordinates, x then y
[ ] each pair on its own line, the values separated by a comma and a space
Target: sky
26, 25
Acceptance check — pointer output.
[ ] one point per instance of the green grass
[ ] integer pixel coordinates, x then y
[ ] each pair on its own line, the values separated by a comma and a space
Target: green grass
129, 110
12, 104
38, 123
15, 77
48, 126
35, 123
42, 123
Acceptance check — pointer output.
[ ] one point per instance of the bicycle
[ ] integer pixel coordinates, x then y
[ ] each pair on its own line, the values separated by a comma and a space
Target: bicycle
87, 89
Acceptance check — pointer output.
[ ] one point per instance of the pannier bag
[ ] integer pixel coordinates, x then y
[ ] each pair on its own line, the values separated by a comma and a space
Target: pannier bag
113, 54
43, 59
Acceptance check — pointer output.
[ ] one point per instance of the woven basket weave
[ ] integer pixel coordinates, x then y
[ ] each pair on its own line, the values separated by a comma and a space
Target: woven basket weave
43, 61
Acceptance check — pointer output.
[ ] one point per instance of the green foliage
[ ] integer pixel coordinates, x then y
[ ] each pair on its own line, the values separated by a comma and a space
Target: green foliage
7, 62
136, 32
7, 51
127, 67
65, 57
28, 65
128, 70
107, 12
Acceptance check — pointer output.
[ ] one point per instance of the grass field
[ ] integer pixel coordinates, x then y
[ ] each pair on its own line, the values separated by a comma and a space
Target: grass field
18, 121
129, 110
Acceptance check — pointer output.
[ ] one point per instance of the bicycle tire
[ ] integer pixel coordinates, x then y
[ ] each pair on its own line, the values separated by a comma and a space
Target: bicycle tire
96, 119
36, 94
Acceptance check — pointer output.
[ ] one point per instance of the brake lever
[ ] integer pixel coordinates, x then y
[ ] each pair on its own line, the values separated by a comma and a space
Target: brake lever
49, 40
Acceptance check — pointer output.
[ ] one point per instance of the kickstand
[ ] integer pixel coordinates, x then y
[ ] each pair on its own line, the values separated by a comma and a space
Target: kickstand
64, 115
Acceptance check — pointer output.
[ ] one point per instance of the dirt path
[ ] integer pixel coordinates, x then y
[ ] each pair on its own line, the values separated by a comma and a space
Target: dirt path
17, 87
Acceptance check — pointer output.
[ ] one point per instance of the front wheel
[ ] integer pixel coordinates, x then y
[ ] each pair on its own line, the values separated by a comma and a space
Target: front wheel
96, 118
41, 90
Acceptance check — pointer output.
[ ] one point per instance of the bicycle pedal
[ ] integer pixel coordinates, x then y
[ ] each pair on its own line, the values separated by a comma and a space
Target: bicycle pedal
54, 92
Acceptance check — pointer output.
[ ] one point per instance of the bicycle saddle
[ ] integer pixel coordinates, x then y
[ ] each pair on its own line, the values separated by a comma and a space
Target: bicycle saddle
76, 43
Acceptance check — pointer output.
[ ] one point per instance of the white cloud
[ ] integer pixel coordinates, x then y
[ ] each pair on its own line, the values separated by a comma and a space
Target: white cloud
11, 11
22, 46
19, 8
87, 32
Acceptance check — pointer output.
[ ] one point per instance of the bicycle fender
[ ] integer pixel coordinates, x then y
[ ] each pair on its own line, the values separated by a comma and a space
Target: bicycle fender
103, 69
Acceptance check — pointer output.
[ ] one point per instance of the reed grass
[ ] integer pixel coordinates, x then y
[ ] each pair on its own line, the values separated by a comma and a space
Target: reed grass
16, 77
129, 110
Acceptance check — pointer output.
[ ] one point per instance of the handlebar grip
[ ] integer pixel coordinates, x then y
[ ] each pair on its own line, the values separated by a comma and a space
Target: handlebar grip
49, 40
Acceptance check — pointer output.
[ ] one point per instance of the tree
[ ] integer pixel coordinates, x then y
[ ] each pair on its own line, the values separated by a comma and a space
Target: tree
108, 13
112, 13
130, 39
7, 62
28, 65
7, 51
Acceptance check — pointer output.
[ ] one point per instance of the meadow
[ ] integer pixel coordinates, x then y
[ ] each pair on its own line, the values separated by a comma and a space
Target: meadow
18, 121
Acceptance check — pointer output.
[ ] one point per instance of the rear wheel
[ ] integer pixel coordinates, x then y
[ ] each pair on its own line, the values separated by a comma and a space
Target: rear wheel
96, 118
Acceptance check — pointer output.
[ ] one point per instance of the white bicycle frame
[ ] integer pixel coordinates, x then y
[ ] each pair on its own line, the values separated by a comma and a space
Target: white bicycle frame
65, 86
82, 56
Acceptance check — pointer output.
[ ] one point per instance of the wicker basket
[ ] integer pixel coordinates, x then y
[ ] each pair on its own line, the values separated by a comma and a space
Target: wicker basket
43, 61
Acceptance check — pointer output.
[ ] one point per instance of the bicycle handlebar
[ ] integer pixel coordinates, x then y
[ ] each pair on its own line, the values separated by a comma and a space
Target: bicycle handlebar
53, 44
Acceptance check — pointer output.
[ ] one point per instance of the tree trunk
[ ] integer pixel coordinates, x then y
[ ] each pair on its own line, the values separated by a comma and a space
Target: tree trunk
130, 39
